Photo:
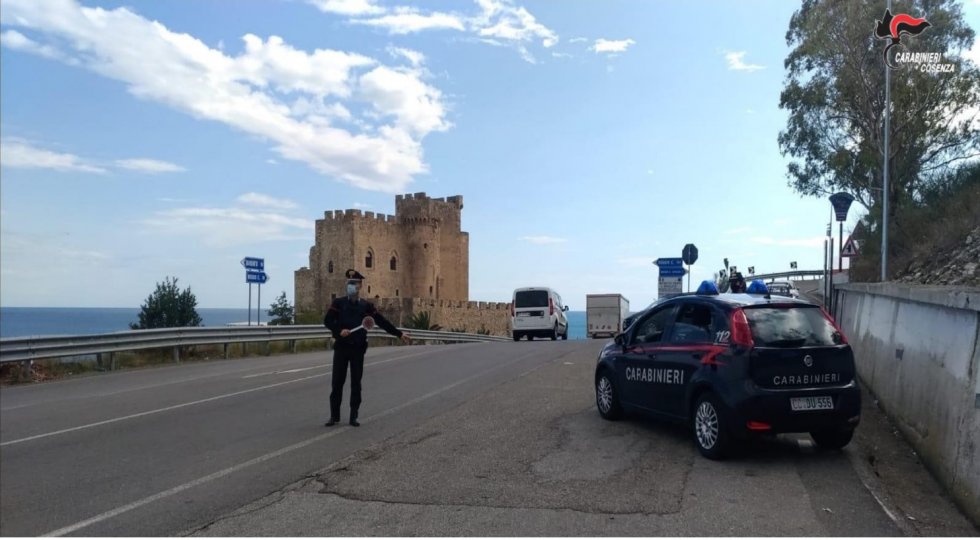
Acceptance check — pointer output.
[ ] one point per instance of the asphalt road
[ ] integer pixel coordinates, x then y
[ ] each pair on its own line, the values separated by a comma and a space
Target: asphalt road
477, 439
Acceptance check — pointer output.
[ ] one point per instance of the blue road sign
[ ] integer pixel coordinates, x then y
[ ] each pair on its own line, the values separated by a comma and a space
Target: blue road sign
672, 272
253, 263
669, 262
256, 277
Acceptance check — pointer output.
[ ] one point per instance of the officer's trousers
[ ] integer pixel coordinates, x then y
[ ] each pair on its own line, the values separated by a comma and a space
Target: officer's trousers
342, 357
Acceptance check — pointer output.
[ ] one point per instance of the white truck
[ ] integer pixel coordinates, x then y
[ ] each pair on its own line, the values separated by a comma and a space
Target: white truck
604, 314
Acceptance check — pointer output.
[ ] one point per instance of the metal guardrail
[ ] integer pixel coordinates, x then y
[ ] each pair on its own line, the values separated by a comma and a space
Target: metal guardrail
23, 349
789, 274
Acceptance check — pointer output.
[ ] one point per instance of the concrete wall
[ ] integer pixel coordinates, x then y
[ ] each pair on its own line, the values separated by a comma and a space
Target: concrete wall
450, 314
918, 350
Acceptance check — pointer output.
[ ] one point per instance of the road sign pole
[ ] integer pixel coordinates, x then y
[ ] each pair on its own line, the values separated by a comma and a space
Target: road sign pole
258, 308
250, 304
884, 178
840, 256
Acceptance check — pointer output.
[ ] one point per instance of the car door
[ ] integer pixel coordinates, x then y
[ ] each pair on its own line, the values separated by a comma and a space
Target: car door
637, 374
691, 338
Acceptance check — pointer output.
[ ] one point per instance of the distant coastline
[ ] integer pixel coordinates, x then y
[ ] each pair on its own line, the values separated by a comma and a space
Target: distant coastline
63, 321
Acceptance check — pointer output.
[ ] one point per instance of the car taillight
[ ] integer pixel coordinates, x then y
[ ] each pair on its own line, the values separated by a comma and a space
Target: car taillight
830, 319
551, 306
741, 333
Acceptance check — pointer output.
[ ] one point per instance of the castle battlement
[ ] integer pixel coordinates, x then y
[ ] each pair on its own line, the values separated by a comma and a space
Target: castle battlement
351, 215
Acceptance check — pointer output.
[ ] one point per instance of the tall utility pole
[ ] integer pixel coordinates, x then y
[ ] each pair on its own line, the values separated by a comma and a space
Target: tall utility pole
884, 215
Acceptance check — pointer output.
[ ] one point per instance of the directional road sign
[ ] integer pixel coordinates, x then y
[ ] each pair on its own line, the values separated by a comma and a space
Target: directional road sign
669, 286
253, 264
256, 277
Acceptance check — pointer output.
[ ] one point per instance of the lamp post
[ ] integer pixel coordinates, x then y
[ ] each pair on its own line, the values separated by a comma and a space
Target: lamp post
884, 215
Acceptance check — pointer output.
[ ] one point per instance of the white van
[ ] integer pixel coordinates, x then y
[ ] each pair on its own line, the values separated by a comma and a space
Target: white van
538, 312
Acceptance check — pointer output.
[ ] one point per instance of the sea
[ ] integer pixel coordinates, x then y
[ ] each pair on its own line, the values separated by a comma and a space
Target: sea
54, 321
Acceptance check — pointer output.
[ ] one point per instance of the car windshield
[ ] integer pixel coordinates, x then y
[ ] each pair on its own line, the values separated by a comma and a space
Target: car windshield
527, 299
789, 327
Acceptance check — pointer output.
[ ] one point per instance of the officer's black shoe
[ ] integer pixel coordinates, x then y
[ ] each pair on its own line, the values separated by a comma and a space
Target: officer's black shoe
353, 420
332, 421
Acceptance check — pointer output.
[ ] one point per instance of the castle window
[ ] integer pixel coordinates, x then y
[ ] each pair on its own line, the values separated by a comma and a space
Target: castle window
425, 246
330, 267
430, 290
369, 260
396, 292
369, 289
393, 263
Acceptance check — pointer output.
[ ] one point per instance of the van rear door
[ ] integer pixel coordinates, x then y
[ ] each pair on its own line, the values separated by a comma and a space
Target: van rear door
531, 309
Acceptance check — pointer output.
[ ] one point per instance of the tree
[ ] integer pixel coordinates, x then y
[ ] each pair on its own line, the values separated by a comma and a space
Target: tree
168, 307
835, 95
281, 310
422, 321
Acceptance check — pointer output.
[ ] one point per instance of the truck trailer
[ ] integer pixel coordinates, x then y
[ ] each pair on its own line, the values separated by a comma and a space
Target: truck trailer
604, 314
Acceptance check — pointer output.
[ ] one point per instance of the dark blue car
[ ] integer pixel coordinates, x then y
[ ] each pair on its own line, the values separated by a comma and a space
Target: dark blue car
731, 365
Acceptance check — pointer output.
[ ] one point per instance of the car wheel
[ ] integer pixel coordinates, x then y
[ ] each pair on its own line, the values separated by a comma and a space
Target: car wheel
565, 335
711, 430
517, 337
606, 397
554, 333
832, 439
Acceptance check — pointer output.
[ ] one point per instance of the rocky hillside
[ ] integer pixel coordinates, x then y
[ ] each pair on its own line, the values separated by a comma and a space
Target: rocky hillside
959, 265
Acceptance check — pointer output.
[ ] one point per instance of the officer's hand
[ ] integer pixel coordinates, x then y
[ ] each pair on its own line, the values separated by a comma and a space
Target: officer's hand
344, 333
406, 338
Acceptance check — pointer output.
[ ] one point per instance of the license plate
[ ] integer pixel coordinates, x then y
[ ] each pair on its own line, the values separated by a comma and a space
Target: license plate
820, 403
525, 314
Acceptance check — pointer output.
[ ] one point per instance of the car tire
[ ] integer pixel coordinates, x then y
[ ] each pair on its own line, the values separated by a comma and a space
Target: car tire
517, 337
709, 426
606, 397
832, 439
554, 333
564, 336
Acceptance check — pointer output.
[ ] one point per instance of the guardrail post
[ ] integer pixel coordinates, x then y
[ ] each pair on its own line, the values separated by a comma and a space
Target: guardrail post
268, 348
26, 371
112, 362
292, 346
176, 354
225, 347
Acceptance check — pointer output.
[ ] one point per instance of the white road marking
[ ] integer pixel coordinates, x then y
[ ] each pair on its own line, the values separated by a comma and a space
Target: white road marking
190, 403
266, 457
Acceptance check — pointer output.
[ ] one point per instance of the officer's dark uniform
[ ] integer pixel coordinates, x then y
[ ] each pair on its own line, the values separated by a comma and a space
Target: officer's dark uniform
345, 313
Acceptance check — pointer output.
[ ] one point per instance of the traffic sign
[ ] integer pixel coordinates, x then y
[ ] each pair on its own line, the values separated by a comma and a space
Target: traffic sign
690, 254
841, 203
850, 248
256, 277
793, 265
668, 262
253, 263
672, 272
669, 286
752, 270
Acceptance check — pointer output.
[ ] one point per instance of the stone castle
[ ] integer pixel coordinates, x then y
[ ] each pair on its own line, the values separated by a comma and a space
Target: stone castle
416, 260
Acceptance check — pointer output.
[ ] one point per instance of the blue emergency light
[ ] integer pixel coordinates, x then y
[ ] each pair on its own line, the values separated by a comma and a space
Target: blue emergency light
707, 287
757, 287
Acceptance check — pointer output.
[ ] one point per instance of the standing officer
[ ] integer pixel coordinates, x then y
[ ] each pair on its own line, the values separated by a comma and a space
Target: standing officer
344, 314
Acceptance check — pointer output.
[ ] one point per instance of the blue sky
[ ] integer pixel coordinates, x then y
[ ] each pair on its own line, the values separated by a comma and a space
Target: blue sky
587, 139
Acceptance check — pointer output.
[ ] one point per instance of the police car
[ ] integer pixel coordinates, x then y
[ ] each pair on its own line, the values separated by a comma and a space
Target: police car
731, 365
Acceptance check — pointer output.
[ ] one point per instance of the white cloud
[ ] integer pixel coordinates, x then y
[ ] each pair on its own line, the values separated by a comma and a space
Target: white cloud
735, 62
361, 205
749, 111
561, 55
225, 227
248, 92
149, 165
265, 201
414, 57
271, 161
406, 20
21, 154
541, 240
649, 171
813, 241
611, 46
737, 230
578, 40
17, 41
501, 20
348, 7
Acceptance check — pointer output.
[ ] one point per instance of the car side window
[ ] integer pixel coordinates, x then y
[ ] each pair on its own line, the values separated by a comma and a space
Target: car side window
652, 328
694, 324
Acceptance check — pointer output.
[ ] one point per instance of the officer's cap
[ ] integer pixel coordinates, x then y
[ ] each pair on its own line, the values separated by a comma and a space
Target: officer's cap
354, 274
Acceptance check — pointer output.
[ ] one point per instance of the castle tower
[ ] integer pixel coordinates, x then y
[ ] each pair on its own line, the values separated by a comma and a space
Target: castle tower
420, 252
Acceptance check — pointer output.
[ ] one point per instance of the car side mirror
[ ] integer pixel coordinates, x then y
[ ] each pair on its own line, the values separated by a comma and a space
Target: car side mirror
620, 339
565, 308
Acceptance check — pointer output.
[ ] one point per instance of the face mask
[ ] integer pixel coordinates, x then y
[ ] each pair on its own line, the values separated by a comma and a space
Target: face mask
351, 289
